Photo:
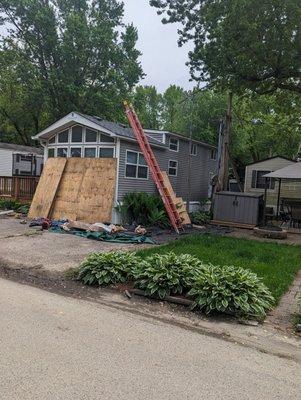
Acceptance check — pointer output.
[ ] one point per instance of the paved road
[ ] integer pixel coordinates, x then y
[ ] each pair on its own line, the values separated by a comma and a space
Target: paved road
53, 347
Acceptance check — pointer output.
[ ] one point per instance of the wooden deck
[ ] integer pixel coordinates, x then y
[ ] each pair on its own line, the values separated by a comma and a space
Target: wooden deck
20, 188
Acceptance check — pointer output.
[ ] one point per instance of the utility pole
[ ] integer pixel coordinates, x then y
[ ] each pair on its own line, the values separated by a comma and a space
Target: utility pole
224, 167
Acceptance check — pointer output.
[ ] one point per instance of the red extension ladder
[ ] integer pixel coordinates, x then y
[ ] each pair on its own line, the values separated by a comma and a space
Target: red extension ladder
157, 175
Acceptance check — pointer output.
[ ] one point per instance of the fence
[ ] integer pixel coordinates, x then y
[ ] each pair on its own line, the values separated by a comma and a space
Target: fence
18, 188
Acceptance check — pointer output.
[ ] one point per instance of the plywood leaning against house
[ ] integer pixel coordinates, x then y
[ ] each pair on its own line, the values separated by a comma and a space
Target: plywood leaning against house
47, 188
86, 190
177, 200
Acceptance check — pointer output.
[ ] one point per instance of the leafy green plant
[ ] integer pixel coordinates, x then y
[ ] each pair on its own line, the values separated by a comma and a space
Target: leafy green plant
163, 275
107, 268
144, 209
200, 217
8, 204
231, 290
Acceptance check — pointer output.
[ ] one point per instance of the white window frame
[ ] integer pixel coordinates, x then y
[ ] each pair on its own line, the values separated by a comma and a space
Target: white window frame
85, 136
57, 137
105, 143
178, 144
106, 147
194, 146
90, 147
136, 165
76, 147
61, 147
176, 168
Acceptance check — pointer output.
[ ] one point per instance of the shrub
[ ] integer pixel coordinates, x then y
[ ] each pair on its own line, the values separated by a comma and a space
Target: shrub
107, 268
144, 209
163, 275
200, 217
231, 290
6, 204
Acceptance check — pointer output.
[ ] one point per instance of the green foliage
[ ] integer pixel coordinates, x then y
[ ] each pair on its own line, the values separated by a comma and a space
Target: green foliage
232, 290
13, 205
148, 103
240, 44
200, 217
163, 275
62, 56
144, 209
107, 268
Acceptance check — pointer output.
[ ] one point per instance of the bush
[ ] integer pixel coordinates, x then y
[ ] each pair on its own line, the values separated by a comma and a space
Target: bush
200, 217
163, 275
144, 209
230, 290
107, 268
10, 205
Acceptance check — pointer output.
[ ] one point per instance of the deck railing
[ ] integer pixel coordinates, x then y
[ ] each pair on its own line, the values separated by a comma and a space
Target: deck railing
18, 187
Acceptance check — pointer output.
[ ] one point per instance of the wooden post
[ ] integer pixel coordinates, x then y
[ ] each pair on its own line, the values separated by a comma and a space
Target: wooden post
278, 199
16, 187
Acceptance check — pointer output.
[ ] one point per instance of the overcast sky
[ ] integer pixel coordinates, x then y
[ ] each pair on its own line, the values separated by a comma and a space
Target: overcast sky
162, 60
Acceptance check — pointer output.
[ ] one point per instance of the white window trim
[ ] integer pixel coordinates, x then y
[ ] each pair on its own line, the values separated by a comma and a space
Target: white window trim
90, 147
196, 147
85, 136
178, 145
105, 147
177, 168
61, 147
136, 165
70, 135
105, 143
57, 137
76, 147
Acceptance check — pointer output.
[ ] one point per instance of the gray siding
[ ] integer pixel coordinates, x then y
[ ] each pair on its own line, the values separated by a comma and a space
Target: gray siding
201, 168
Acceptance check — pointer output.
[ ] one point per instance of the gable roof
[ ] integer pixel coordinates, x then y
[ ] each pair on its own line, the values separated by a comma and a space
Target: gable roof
18, 147
111, 128
270, 158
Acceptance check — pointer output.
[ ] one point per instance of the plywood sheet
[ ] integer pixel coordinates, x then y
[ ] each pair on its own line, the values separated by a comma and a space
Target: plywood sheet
177, 200
86, 191
47, 188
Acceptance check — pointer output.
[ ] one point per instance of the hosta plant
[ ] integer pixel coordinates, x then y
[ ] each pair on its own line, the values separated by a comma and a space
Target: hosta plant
231, 290
167, 274
107, 268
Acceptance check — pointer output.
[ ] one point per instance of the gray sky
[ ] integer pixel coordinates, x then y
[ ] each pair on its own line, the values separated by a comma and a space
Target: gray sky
162, 60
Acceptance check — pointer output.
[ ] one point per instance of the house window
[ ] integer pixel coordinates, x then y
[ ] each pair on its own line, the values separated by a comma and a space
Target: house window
173, 168
136, 166
25, 158
51, 140
213, 154
50, 153
194, 150
106, 152
173, 144
90, 152
63, 136
91, 136
75, 152
62, 152
106, 138
259, 182
77, 134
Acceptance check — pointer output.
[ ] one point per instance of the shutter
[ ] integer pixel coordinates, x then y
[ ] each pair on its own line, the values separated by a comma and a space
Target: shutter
254, 176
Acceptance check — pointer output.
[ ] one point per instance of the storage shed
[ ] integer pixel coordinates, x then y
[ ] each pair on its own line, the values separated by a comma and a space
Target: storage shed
238, 208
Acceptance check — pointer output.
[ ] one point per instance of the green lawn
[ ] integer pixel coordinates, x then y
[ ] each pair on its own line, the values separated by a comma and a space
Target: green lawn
277, 264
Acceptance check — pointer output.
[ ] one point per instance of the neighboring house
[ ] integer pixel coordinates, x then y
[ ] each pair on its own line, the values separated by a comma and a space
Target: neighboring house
255, 182
79, 135
17, 160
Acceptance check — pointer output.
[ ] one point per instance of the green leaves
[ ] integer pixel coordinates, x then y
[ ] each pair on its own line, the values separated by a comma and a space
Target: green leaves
163, 275
104, 269
232, 290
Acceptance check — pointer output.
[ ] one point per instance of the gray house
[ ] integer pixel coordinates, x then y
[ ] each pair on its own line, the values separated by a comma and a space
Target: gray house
18, 160
79, 135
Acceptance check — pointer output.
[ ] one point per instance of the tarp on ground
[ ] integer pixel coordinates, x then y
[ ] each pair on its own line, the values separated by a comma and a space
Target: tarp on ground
107, 237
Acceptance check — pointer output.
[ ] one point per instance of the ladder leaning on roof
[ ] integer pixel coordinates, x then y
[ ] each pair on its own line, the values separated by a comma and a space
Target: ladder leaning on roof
166, 195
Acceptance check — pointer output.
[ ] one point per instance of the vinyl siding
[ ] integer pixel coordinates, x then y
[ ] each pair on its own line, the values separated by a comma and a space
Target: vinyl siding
291, 189
201, 166
6, 162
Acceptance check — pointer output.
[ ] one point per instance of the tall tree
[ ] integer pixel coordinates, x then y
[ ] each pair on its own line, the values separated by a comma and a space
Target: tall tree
148, 104
240, 44
78, 55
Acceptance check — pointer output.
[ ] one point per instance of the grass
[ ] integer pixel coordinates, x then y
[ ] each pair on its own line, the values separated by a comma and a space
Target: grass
276, 264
